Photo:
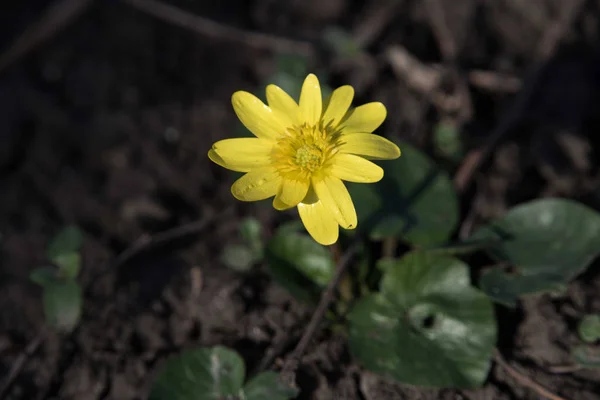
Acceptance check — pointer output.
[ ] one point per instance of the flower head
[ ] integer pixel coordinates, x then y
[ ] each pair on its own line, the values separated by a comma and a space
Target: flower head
303, 151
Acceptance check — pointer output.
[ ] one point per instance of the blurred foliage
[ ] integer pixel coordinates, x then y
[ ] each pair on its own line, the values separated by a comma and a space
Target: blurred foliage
242, 257
589, 328
587, 356
61, 294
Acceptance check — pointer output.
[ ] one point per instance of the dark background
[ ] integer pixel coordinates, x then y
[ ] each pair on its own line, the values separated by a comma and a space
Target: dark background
105, 121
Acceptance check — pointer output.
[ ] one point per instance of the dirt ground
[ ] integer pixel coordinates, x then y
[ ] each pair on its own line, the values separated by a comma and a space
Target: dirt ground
107, 124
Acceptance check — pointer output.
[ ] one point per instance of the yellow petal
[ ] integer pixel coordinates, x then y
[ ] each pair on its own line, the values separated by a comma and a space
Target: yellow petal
319, 222
241, 154
281, 102
355, 169
292, 192
371, 146
364, 119
258, 184
279, 205
311, 101
337, 105
257, 116
335, 197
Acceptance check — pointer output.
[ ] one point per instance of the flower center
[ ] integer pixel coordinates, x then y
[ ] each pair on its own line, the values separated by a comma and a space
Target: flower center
309, 157
304, 150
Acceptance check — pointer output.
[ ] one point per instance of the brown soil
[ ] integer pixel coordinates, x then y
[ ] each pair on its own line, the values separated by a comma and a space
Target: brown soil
107, 125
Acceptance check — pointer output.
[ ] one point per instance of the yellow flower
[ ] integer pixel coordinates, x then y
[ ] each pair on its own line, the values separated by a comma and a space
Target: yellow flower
302, 152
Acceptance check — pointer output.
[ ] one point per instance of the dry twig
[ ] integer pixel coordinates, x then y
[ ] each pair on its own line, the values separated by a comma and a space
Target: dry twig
57, 17
19, 363
546, 49
217, 31
524, 380
288, 372
147, 242
377, 18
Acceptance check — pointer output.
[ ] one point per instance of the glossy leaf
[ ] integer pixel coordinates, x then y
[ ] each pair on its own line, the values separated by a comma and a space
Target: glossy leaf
62, 303
69, 240
415, 200
267, 385
304, 254
200, 374
548, 242
427, 326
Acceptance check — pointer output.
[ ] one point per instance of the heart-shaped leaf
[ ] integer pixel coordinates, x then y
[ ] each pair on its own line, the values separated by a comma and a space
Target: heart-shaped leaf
200, 374
62, 304
589, 328
299, 264
68, 240
548, 242
267, 385
415, 200
427, 326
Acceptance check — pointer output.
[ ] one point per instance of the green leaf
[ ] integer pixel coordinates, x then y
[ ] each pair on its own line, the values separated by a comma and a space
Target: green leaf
427, 326
62, 304
44, 276
415, 200
548, 242
587, 356
506, 287
304, 254
200, 374
69, 240
238, 257
267, 385
464, 247
589, 328
299, 264
251, 231
69, 264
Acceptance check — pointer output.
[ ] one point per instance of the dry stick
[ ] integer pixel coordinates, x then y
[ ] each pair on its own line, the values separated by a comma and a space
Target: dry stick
449, 50
524, 380
56, 17
288, 372
146, 242
375, 20
19, 363
546, 48
215, 30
